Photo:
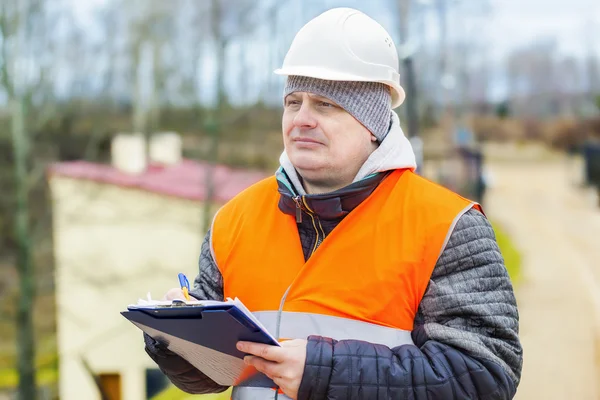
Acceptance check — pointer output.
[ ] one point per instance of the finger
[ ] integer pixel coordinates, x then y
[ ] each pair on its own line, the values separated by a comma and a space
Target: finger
268, 368
268, 352
173, 294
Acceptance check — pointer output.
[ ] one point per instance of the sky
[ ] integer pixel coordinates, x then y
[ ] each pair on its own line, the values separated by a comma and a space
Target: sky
572, 22
509, 24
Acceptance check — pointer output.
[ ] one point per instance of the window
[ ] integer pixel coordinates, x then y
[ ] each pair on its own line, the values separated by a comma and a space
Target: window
111, 386
156, 382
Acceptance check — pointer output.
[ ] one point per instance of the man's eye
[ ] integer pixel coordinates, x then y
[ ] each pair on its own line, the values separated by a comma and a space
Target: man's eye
325, 104
292, 103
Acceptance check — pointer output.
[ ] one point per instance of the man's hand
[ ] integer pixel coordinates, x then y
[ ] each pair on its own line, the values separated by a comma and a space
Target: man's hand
284, 365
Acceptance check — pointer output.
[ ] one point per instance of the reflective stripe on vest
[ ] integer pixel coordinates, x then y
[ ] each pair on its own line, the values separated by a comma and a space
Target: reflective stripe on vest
299, 325
256, 393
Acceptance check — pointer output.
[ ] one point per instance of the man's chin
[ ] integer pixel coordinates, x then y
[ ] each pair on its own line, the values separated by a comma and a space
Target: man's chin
308, 164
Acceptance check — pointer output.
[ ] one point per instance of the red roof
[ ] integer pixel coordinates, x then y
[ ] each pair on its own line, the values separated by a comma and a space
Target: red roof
184, 180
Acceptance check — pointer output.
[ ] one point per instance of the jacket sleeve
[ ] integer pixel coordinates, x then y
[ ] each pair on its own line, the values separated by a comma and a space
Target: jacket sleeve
207, 285
465, 335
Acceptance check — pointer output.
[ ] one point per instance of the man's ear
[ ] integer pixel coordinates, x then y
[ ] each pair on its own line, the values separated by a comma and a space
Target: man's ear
373, 138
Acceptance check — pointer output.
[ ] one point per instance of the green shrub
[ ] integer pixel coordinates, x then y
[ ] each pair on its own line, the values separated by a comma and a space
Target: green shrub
512, 256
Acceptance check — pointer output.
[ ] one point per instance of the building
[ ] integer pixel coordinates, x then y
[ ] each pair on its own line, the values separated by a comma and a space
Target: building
122, 231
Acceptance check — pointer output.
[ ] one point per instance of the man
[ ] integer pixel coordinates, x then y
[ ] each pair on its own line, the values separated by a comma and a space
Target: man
387, 286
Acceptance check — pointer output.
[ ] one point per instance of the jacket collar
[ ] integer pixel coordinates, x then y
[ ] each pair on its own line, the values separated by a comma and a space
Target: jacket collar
327, 206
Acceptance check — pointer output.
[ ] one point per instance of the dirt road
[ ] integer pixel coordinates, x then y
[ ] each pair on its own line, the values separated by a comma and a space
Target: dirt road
556, 225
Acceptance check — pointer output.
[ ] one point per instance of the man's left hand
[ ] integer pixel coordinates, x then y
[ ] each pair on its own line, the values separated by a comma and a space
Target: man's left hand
284, 365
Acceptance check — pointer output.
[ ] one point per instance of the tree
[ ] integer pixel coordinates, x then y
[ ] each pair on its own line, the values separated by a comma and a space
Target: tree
226, 23
20, 21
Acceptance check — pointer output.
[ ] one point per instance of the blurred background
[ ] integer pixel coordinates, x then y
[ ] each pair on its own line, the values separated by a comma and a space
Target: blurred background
126, 123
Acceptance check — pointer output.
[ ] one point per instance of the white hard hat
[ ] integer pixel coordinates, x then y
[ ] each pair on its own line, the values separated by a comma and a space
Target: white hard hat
343, 44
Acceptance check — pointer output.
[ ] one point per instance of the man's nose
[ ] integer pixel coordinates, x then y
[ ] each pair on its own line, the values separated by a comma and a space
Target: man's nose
305, 118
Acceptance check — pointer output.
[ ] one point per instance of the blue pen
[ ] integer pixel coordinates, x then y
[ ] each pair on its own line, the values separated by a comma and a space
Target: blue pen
185, 285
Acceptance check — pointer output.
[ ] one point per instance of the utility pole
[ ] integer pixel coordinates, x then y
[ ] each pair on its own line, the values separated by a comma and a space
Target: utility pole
592, 67
410, 87
272, 17
215, 116
442, 8
406, 56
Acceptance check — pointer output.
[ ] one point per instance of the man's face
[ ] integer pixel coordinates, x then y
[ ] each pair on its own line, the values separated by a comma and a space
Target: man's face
326, 144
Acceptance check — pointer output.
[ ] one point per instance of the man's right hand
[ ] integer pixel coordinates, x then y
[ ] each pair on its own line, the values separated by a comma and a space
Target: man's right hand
175, 293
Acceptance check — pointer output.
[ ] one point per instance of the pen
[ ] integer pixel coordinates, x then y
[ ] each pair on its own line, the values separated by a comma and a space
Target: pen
185, 286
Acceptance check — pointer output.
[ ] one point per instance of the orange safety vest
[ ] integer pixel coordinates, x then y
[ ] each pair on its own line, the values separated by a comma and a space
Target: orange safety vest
364, 282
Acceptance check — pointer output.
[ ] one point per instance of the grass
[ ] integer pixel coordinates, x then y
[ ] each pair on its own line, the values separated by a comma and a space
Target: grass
9, 377
46, 364
172, 393
512, 256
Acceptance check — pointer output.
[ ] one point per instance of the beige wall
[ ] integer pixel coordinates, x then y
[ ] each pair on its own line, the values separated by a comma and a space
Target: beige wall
112, 246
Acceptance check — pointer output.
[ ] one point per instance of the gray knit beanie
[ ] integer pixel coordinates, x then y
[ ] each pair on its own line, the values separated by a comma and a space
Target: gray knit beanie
369, 102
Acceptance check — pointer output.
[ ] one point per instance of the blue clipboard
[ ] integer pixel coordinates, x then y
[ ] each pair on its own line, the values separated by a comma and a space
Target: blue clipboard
216, 327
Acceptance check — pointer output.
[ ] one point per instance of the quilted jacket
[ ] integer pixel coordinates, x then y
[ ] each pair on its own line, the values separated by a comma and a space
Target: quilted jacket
465, 334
